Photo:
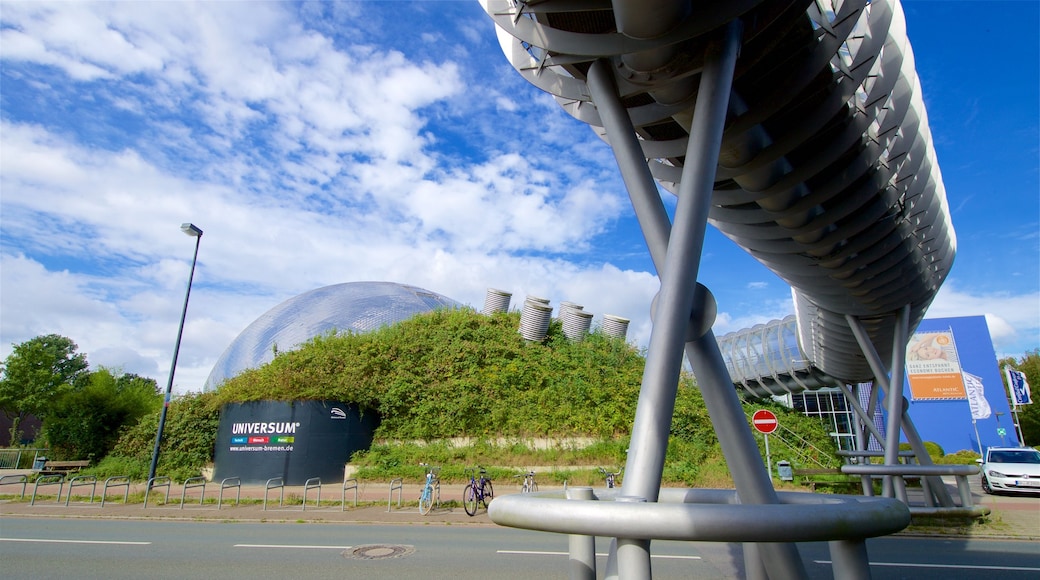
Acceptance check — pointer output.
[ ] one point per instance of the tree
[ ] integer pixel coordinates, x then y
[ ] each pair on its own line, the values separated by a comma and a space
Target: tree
1028, 415
35, 374
85, 423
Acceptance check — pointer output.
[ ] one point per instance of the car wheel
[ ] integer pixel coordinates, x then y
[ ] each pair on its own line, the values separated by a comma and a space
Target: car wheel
985, 485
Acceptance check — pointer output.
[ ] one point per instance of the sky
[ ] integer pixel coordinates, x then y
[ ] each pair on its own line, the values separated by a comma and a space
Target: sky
319, 143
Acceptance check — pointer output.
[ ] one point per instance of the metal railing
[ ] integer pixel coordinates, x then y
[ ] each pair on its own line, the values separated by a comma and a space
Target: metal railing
82, 481
226, 483
348, 484
160, 481
18, 457
15, 480
395, 484
47, 480
275, 483
191, 483
312, 483
116, 481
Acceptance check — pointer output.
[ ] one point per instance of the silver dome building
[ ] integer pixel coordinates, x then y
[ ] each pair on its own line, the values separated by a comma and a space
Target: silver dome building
349, 307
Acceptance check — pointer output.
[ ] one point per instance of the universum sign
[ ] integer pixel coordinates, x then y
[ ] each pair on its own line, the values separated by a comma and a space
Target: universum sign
264, 428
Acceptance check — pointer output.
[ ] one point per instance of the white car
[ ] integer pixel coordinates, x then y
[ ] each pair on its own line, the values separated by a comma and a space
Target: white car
1013, 469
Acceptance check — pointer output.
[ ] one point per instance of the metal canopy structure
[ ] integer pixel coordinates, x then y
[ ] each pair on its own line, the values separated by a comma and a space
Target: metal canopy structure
799, 131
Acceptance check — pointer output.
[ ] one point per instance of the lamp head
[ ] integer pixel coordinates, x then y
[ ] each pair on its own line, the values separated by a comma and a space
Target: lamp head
191, 230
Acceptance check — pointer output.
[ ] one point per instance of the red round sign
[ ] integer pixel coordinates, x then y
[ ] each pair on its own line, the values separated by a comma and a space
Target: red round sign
764, 421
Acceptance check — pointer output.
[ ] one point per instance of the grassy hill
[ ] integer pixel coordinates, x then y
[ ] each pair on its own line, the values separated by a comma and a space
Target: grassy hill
458, 373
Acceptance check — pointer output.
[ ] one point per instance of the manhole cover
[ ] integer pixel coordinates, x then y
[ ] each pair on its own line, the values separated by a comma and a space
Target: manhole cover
378, 551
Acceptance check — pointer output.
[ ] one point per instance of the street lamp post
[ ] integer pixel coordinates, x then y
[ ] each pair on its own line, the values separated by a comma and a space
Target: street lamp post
193, 231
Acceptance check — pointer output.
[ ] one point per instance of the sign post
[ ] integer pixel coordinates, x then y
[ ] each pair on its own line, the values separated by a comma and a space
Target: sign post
765, 423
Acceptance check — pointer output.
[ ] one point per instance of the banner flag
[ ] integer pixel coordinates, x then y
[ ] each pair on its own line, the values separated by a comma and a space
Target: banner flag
976, 397
1018, 386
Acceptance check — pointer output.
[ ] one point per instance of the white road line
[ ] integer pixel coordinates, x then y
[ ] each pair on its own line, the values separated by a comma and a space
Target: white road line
43, 541
537, 553
968, 566
292, 546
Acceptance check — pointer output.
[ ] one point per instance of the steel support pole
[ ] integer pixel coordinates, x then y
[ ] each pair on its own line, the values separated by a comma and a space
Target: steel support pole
894, 387
581, 563
656, 403
753, 483
679, 277
849, 559
640, 184
881, 379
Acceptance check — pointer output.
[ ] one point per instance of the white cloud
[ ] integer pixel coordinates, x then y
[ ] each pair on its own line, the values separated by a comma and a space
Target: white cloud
1013, 320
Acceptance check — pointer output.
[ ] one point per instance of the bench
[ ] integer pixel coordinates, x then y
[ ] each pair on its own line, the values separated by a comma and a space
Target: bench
64, 467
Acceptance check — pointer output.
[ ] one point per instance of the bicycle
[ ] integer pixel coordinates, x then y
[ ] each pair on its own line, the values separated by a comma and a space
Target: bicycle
478, 491
529, 484
611, 477
431, 491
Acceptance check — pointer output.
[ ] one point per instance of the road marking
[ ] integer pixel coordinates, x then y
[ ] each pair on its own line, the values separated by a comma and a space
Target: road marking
292, 546
43, 541
598, 555
969, 566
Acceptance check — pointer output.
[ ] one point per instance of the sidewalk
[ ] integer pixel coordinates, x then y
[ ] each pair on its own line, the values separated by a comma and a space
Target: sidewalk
1012, 517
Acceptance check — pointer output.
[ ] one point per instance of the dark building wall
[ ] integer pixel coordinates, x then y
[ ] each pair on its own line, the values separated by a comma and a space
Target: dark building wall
30, 428
296, 441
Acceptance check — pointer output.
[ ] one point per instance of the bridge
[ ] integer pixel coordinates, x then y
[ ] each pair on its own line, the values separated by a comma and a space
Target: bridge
798, 130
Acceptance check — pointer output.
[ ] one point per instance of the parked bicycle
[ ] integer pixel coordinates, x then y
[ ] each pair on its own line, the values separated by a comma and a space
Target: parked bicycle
611, 477
478, 491
431, 492
529, 484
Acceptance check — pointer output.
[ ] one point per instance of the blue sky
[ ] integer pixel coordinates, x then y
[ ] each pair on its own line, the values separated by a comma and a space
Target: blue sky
321, 143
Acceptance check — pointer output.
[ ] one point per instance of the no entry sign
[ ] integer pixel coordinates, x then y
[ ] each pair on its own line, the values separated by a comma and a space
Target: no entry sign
764, 421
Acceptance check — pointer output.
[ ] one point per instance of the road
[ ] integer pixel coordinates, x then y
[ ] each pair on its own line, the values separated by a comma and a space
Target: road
90, 548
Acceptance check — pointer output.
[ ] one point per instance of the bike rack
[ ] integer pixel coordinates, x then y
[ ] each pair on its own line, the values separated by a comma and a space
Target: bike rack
192, 482
226, 483
114, 481
397, 484
44, 481
348, 484
15, 480
161, 481
275, 483
314, 482
79, 481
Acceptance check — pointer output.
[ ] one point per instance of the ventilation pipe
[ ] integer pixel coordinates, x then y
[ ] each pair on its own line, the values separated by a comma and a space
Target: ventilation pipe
534, 319
496, 301
576, 323
615, 326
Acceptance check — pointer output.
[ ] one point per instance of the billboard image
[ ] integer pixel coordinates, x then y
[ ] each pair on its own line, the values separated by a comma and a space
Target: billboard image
954, 388
933, 367
297, 441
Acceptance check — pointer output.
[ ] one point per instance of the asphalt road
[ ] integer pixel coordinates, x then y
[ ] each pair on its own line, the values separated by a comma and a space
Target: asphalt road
99, 548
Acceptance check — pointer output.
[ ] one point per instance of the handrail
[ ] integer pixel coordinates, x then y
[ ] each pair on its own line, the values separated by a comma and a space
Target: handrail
159, 481
351, 483
314, 482
79, 481
227, 482
16, 453
45, 480
115, 481
193, 482
280, 485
